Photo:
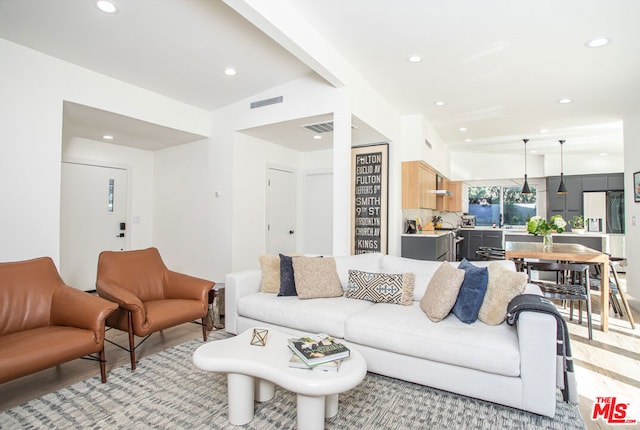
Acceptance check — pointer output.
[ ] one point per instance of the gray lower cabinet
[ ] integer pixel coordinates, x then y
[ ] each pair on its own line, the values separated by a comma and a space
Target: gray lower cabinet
475, 238
434, 248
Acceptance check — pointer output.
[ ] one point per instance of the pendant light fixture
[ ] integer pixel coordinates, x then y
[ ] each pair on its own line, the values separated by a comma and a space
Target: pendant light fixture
525, 187
562, 188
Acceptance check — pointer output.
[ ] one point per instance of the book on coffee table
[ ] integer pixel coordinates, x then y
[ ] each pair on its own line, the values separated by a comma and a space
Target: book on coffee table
330, 366
317, 349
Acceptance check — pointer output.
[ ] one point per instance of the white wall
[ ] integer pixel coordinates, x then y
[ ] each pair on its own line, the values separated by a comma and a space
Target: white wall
251, 159
579, 164
182, 207
478, 166
415, 130
281, 22
238, 163
316, 197
34, 87
140, 181
632, 209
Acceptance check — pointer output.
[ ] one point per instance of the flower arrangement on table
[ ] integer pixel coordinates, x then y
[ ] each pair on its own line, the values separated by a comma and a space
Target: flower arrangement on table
539, 226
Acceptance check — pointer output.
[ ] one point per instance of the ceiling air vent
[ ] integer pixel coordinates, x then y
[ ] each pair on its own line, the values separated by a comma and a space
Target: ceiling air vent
320, 127
266, 102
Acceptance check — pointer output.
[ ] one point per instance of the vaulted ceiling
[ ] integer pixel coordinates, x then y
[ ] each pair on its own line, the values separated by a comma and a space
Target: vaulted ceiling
499, 66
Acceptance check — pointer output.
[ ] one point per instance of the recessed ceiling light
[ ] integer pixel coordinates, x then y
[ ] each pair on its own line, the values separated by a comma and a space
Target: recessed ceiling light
533, 151
544, 130
463, 129
467, 140
603, 154
414, 59
107, 6
565, 100
107, 137
597, 42
317, 137
230, 71
439, 103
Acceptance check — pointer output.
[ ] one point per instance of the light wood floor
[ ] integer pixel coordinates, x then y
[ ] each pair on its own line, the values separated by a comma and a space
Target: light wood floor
607, 366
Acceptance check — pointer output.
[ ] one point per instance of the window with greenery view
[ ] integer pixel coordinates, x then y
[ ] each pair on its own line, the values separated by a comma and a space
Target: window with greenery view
501, 205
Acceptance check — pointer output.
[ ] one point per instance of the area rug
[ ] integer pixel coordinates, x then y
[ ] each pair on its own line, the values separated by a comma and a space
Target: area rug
168, 391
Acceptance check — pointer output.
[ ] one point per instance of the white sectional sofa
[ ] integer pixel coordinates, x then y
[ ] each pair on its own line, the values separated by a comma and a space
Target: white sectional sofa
513, 366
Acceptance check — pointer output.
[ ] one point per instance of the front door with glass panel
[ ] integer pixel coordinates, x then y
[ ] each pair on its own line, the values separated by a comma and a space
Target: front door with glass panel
93, 214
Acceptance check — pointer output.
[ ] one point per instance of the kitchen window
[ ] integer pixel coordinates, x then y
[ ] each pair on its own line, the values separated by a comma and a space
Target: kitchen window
501, 205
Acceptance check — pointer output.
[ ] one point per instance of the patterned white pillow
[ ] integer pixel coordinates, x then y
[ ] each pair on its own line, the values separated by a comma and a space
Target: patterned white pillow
381, 287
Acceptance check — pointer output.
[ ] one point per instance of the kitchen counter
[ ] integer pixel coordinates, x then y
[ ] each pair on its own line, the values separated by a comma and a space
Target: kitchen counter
511, 231
430, 233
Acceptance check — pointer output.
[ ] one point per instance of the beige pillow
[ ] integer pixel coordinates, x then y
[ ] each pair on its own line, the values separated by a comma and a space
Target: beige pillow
381, 287
270, 265
316, 277
504, 284
442, 292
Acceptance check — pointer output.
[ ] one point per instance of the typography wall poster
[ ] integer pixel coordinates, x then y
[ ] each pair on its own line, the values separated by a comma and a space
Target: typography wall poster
369, 191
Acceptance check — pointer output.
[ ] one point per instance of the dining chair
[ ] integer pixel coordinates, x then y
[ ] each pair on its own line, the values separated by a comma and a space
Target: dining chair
566, 282
617, 297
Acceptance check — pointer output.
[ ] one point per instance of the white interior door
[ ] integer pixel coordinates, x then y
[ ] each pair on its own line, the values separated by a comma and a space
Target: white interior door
93, 206
281, 211
317, 219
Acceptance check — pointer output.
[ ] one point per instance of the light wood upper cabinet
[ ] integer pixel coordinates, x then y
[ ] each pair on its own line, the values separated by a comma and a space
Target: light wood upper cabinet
455, 199
418, 185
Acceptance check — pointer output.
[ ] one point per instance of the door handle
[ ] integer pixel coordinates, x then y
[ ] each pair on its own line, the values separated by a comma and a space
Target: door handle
291, 231
120, 235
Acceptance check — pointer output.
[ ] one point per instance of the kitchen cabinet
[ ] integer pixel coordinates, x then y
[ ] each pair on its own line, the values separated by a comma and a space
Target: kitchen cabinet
594, 183
442, 201
571, 204
568, 205
615, 182
455, 199
422, 247
475, 238
418, 185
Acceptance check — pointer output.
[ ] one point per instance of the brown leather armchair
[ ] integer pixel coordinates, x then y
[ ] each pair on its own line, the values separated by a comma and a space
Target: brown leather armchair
150, 296
44, 322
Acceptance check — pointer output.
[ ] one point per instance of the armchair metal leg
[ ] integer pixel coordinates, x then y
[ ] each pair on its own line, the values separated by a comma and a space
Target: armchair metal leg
103, 367
204, 328
132, 348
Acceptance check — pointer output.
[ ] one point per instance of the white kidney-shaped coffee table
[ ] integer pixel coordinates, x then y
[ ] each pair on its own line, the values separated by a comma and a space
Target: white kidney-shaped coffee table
252, 371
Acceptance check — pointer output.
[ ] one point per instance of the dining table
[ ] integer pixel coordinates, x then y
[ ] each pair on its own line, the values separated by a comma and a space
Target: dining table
568, 252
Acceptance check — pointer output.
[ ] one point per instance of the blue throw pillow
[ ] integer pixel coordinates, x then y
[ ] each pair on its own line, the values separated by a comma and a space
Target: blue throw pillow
287, 279
471, 292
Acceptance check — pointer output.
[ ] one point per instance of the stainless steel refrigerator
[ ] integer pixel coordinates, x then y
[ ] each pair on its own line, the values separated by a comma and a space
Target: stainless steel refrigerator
604, 212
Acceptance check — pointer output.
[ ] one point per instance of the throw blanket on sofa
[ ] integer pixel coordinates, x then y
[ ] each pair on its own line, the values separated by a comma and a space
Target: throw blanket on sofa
534, 303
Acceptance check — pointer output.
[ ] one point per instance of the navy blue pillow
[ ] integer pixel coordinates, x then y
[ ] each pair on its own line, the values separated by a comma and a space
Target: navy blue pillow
287, 280
471, 292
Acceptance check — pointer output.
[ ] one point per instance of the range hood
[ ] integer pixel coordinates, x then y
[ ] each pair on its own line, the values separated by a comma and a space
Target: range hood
439, 191
442, 193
